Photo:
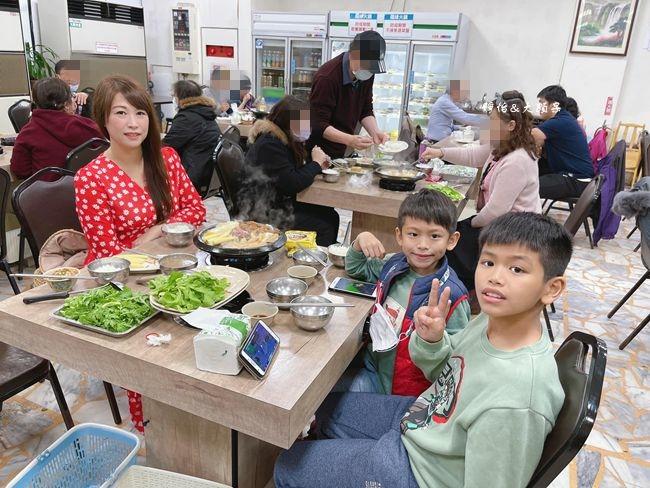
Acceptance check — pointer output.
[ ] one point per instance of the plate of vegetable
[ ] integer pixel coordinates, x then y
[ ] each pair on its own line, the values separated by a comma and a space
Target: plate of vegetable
207, 286
107, 310
452, 193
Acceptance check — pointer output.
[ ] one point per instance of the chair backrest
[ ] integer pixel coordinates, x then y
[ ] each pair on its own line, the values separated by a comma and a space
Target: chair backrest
81, 155
229, 164
44, 207
19, 113
645, 153
232, 134
5, 186
582, 389
628, 131
583, 207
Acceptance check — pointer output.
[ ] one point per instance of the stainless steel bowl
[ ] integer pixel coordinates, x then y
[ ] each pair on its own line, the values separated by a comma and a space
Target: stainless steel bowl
178, 234
331, 175
109, 269
301, 257
177, 262
311, 317
336, 253
283, 290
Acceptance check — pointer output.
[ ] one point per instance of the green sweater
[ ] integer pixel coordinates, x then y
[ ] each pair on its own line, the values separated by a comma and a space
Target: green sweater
484, 419
360, 267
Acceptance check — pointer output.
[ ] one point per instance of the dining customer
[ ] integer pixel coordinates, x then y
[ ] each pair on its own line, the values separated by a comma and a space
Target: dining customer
509, 181
52, 131
495, 395
341, 97
194, 133
278, 167
69, 70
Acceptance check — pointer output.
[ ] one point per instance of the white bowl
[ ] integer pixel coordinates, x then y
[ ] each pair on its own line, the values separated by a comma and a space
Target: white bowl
302, 272
260, 311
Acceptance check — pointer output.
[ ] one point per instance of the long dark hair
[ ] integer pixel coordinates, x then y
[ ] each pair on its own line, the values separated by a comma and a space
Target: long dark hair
282, 114
512, 106
155, 171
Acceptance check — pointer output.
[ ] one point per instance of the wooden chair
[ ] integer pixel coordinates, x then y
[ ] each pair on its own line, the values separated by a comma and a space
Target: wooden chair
83, 154
630, 133
582, 387
20, 113
44, 207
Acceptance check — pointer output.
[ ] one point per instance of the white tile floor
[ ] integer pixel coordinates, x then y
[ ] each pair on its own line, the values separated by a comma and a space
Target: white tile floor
617, 453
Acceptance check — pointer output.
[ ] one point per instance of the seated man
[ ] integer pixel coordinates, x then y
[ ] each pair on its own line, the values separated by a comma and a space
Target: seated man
565, 167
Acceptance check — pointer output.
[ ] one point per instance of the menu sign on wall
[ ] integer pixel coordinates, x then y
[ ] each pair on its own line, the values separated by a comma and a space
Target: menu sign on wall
361, 21
398, 25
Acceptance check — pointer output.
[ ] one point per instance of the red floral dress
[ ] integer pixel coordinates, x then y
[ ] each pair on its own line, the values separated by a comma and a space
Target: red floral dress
114, 211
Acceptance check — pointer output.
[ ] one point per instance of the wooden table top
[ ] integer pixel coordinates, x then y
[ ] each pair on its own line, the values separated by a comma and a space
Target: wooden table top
274, 410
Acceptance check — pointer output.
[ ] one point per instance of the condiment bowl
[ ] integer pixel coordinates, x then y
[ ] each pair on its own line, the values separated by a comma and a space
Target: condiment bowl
177, 262
311, 317
62, 284
336, 253
109, 269
260, 311
301, 257
178, 234
283, 290
331, 175
302, 272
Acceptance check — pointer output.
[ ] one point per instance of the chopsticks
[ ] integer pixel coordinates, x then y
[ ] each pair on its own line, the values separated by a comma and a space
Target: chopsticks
309, 253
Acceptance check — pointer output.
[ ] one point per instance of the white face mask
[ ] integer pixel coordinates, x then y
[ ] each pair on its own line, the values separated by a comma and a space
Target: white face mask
74, 88
303, 135
363, 74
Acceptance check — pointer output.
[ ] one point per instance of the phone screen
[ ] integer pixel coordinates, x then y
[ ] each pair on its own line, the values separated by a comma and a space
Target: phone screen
260, 347
355, 287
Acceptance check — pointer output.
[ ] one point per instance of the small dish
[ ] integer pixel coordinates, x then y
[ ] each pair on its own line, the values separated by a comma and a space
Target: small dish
62, 284
331, 175
283, 290
177, 262
337, 253
109, 269
260, 311
302, 272
178, 234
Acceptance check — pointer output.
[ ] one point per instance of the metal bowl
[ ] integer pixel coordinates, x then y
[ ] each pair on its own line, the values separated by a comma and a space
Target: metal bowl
109, 269
283, 290
336, 253
301, 257
62, 284
311, 317
178, 234
177, 262
331, 175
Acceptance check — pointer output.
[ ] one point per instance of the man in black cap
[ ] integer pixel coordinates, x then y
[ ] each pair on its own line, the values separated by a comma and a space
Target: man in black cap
341, 97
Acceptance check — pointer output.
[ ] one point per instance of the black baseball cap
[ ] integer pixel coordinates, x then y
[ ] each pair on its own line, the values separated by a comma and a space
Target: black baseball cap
371, 47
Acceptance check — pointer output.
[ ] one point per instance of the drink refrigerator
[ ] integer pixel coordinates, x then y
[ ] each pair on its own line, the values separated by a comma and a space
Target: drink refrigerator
423, 50
288, 50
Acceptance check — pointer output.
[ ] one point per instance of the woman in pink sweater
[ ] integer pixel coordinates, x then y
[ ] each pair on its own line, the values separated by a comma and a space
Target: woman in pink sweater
509, 182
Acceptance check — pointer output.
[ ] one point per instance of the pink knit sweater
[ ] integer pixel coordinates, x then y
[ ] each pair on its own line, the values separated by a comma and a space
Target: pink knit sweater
512, 185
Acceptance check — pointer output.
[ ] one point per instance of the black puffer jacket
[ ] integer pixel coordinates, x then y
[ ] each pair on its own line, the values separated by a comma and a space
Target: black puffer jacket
271, 177
194, 134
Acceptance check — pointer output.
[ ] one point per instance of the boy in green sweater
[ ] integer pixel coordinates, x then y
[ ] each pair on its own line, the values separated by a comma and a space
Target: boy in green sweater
495, 393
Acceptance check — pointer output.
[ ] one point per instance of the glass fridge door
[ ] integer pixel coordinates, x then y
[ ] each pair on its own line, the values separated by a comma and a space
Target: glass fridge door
389, 88
306, 58
429, 79
270, 68
338, 46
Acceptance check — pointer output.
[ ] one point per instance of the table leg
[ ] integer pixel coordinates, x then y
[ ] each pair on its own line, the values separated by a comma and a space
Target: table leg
184, 443
382, 227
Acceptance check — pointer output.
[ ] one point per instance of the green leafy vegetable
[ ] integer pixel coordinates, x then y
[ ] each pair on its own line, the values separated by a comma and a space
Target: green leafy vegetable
108, 308
452, 193
187, 292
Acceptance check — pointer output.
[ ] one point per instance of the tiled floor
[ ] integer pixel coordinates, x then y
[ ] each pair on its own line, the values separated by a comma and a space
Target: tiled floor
617, 453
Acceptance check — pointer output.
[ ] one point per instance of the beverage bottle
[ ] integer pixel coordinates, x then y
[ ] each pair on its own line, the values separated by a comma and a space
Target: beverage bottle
280, 81
265, 58
262, 104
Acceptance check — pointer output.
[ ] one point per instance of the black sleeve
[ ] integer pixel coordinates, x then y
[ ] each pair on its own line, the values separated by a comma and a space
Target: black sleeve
183, 130
278, 163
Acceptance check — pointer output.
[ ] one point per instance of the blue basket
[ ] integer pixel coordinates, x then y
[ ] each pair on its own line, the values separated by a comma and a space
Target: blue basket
88, 455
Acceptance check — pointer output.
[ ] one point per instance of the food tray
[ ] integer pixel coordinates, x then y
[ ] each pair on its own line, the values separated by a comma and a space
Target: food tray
94, 328
237, 278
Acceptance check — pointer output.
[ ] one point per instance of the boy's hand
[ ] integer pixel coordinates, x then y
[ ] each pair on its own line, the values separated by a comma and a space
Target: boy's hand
369, 245
430, 319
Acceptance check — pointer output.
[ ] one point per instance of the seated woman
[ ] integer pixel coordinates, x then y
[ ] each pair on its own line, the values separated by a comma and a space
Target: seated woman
276, 171
194, 133
509, 182
52, 132
126, 194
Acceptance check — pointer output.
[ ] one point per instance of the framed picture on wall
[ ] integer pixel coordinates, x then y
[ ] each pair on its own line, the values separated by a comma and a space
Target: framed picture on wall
603, 26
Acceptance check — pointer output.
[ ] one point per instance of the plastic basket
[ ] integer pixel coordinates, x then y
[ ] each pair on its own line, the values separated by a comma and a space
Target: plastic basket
88, 455
142, 477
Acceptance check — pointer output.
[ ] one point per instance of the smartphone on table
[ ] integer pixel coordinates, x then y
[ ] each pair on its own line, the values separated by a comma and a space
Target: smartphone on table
354, 287
259, 349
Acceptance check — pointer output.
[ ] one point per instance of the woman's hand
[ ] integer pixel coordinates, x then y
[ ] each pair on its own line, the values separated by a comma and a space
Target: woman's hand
430, 319
431, 152
154, 233
369, 245
319, 156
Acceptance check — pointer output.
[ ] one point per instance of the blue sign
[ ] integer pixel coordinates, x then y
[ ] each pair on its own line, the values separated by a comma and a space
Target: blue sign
363, 16
259, 43
398, 17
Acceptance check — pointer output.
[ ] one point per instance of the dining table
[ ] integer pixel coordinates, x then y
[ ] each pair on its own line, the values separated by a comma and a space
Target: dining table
375, 209
224, 428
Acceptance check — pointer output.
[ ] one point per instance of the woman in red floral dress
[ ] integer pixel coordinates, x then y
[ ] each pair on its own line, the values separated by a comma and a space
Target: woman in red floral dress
125, 195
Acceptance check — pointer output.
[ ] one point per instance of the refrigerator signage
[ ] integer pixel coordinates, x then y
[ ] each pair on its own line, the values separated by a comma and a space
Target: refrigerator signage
361, 21
398, 26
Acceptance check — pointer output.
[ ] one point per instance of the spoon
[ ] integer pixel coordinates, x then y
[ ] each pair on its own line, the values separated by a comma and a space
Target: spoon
310, 254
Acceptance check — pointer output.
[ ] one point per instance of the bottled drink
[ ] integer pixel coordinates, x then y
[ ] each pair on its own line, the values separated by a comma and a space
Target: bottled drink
280, 81
265, 58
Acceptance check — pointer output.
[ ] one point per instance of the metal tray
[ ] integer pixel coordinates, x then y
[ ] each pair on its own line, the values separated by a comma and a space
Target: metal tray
99, 330
233, 252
